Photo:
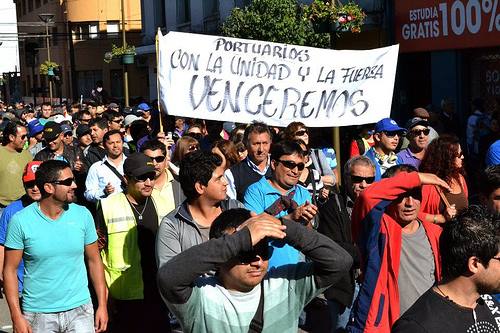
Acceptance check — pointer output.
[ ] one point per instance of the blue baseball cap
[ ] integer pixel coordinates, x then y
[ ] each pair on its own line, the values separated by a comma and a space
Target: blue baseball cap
388, 125
143, 107
34, 127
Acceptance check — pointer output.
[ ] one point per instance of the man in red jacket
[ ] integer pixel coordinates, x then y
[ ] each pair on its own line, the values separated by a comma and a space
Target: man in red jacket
399, 252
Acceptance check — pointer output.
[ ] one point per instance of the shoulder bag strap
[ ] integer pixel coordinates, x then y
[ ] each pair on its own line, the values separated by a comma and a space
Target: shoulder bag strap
119, 175
257, 323
443, 197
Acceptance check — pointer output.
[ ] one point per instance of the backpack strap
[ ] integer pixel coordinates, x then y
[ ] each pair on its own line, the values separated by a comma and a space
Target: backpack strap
257, 323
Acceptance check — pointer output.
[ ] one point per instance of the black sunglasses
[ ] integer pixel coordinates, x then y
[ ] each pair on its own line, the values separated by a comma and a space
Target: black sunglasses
64, 182
301, 132
118, 121
158, 159
262, 250
359, 179
24, 136
193, 147
30, 184
420, 132
391, 134
144, 177
292, 165
68, 134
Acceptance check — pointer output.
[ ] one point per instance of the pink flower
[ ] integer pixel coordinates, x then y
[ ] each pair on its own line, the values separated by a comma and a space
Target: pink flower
349, 18
342, 20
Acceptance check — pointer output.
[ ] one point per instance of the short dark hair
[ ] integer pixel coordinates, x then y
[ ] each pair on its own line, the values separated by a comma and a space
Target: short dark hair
46, 104
197, 167
99, 122
490, 180
10, 129
110, 133
393, 170
286, 148
48, 172
472, 233
228, 219
109, 115
83, 112
139, 129
154, 144
256, 127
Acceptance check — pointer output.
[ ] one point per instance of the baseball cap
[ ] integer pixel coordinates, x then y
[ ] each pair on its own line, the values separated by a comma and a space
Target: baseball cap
65, 128
82, 129
113, 106
421, 113
389, 125
416, 121
34, 127
143, 107
30, 170
138, 164
129, 120
51, 131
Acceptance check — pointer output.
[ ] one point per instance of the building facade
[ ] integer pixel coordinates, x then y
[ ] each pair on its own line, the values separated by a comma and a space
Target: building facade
80, 32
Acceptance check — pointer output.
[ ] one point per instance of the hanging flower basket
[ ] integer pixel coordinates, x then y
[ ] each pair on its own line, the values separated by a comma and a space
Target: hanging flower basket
47, 68
126, 54
329, 16
128, 59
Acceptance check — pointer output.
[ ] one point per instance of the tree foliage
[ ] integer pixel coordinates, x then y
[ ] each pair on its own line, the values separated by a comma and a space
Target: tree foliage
280, 21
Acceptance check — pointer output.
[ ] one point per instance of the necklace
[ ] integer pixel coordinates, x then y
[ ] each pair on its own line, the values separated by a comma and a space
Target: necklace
442, 293
143, 209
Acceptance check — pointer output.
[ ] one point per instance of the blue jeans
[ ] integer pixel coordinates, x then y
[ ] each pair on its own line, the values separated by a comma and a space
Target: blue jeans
77, 320
339, 313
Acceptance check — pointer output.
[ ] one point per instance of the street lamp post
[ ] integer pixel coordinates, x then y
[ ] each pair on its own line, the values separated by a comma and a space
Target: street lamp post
124, 44
48, 18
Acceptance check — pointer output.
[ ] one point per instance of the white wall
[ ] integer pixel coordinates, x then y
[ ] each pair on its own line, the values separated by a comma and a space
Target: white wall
9, 50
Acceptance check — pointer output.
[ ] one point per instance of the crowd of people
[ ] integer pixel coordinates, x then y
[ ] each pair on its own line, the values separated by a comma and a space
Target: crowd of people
121, 220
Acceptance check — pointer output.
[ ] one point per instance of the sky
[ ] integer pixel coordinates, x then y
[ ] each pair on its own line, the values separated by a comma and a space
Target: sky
9, 54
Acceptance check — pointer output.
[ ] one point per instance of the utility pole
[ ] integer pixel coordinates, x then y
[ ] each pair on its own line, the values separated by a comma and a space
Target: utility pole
124, 45
47, 18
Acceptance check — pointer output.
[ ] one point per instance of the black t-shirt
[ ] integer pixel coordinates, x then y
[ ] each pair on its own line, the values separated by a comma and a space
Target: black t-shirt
434, 313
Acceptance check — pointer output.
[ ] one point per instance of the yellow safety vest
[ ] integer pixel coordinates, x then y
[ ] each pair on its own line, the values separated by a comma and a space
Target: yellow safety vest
122, 258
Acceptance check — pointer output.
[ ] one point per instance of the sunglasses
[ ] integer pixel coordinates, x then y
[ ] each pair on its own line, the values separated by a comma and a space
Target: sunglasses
391, 134
158, 159
118, 121
359, 179
30, 184
292, 165
301, 132
193, 147
420, 132
24, 136
144, 177
68, 134
262, 250
64, 182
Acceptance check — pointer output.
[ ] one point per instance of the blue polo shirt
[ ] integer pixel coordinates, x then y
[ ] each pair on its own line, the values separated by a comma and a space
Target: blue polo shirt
405, 156
260, 196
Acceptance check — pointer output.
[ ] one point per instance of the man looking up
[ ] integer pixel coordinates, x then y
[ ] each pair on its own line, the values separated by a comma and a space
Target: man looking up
53, 237
280, 196
386, 137
128, 223
241, 297
470, 254
257, 139
96, 152
106, 177
202, 179
399, 253
13, 160
418, 137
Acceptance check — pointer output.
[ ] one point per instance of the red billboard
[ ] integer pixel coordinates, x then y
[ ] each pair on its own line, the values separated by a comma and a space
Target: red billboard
449, 24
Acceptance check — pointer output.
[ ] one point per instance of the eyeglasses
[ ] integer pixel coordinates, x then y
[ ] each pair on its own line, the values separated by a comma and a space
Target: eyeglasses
68, 134
85, 120
64, 182
420, 132
292, 165
193, 148
30, 184
24, 136
158, 159
359, 179
118, 121
260, 250
144, 177
391, 134
301, 132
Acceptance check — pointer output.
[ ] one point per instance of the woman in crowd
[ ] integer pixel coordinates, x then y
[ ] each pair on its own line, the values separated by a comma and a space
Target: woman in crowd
297, 130
444, 157
227, 151
363, 141
237, 138
184, 146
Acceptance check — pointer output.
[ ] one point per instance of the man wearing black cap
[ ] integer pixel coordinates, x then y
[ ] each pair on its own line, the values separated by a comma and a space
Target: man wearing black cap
83, 136
127, 224
418, 137
57, 150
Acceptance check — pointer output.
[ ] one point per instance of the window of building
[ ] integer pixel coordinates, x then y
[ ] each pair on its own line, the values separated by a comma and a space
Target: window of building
38, 3
85, 31
55, 37
94, 30
210, 7
30, 5
113, 28
183, 11
22, 7
86, 81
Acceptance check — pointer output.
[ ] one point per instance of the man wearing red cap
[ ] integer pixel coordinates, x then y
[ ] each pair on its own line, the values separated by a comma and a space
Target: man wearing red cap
32, 195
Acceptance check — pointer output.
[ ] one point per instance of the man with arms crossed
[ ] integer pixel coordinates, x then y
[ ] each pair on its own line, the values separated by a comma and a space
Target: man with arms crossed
53, 237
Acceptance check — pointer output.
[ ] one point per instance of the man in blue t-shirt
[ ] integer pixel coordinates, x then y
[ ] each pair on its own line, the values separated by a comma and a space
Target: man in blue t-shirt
53, 237
280, 196
32, 195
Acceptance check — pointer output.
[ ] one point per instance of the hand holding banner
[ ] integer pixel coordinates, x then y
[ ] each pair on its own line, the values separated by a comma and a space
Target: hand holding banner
229, 79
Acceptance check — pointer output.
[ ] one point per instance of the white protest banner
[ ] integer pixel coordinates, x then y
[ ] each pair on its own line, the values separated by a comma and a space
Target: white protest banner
239, 80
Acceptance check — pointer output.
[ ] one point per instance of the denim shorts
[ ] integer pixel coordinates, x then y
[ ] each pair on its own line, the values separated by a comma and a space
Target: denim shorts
77, 320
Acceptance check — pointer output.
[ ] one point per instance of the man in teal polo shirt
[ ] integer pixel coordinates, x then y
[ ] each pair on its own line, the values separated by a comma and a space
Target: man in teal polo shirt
53, 237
